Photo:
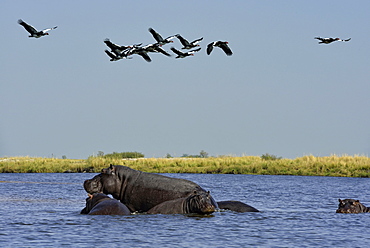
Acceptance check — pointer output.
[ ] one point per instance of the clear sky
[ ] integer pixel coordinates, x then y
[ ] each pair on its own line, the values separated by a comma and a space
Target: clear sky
280, 92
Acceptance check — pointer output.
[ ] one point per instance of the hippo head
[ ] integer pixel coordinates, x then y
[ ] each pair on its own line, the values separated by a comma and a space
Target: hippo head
350, 206
101, 183
92, 200
200, 202
109, 170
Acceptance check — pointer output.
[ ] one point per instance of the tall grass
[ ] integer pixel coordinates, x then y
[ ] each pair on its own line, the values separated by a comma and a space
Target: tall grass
342, 166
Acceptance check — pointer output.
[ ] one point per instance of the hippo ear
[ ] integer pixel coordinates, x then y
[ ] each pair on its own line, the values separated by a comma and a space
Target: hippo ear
339, 200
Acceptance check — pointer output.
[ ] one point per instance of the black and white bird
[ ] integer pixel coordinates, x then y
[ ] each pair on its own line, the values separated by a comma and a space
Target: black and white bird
159, 38
330, 40
187, 44
116, 49
33, 31
184, 55
221, 44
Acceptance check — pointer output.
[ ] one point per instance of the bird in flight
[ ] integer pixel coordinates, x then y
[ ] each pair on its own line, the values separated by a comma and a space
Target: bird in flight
188, 45
33, 31
330, 40
221, 44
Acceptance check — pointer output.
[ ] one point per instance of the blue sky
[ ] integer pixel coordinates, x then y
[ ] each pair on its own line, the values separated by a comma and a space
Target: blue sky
280, 93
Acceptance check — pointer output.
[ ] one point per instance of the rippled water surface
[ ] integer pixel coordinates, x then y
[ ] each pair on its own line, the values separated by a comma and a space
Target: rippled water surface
43, 210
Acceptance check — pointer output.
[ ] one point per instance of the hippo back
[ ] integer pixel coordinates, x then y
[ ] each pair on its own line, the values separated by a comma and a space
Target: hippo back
199, 203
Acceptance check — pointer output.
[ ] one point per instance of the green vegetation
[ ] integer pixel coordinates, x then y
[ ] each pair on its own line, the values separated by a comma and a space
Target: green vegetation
121, 155
341, 166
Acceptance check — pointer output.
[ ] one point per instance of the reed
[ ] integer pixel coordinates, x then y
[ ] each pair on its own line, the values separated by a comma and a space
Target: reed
341, 166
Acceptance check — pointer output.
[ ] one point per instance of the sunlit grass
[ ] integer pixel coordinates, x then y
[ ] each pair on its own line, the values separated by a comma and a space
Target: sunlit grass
342, 166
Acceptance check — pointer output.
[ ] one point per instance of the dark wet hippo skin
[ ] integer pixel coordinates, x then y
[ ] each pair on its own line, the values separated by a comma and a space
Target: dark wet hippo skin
351, 206
236, 206
140, 191
101, 204
197, 203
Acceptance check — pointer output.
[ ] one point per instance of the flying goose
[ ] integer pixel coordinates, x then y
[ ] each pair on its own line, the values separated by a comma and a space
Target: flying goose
33, 31
330, 40
187, 44
221, 44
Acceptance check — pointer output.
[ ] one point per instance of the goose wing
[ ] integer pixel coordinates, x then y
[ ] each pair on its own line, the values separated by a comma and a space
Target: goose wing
177, 51
28, 27
210, 47
110, 54
156, 35
48, 29
145, 56
197, 41
183, 41
195, 50
111, 45
170, 38
161, 50
226, 48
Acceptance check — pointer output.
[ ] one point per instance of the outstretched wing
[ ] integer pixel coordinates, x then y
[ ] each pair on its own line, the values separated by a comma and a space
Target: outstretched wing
110, 54
183, 41
176, 51
145, 56
210, 48
226, 49
28, 27
48, 29
111, 45
197, 41
347, 39
161, 50
156, 36
195, 50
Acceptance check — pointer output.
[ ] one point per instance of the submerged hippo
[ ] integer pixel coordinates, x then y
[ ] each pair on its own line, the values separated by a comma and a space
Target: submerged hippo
236, 206
140, 191
351, 206
198, 203
101, 204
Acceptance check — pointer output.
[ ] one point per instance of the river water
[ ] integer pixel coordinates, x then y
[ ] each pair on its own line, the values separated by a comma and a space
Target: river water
43, 210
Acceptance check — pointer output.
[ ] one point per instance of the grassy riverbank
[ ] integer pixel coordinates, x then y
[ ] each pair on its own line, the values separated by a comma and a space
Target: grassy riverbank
342, 166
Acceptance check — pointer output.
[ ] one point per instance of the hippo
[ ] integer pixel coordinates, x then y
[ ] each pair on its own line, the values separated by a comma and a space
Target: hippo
101, 204
236, 206
140, 191
351, 206
195, 203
